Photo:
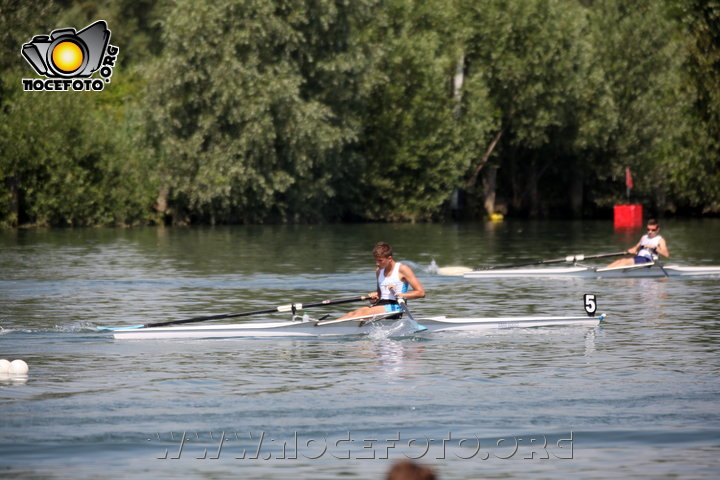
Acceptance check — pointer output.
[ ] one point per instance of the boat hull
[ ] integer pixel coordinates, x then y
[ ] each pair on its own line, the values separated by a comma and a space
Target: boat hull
350, 328
634, 271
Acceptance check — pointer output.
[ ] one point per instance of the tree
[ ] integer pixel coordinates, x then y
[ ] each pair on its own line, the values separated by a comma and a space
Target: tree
640, 56
249, 108
695, 172
536, 61
64, 165
420, 134
66, 158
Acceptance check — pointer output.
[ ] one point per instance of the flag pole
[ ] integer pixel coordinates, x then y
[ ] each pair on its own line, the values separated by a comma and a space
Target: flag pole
628, 183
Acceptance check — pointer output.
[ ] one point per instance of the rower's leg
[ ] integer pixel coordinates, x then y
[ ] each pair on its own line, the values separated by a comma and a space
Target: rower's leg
623, 262
364, 311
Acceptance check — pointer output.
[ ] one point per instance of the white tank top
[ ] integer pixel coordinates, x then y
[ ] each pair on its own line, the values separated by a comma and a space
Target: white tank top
648, 246
392, 280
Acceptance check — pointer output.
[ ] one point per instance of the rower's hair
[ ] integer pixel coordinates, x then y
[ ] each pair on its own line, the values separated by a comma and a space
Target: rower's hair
652, 222
382, 249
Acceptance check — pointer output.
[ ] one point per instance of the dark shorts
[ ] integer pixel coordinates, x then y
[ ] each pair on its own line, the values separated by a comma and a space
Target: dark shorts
639, 259
390, 306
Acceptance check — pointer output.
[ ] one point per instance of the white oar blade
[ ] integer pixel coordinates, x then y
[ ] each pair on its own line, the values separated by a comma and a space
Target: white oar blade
453, 271
114, 329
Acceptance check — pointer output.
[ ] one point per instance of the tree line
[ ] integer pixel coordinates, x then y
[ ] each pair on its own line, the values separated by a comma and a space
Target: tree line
252, 111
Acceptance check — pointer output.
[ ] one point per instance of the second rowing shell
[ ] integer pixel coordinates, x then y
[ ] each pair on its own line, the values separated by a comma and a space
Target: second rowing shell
634, 271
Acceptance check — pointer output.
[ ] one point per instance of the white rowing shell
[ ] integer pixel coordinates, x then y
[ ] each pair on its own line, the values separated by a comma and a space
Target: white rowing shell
347, 327
634, 271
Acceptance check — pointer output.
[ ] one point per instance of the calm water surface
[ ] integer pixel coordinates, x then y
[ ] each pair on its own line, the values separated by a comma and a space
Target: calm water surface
635, 398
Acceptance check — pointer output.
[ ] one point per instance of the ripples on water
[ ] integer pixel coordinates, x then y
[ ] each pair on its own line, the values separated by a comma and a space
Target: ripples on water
638, 395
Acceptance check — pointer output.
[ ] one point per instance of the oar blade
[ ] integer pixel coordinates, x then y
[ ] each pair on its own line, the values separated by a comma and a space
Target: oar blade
453, 271
115, 329
416, 327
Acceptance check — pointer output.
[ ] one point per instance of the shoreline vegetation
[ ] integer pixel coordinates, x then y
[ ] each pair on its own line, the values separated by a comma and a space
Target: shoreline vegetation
299, 111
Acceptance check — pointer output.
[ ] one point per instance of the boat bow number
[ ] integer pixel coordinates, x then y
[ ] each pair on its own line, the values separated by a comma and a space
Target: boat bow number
590, 304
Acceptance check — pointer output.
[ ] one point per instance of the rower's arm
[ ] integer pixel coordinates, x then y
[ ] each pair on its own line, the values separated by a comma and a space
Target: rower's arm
634, 250
408, 276
374, 296
662, 248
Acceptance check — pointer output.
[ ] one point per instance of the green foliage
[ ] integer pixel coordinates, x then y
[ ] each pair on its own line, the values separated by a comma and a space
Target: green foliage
63, 164
251, 115
67, 158
537, 62
695, 174
309, 110
528, 52
643, 82
416, 147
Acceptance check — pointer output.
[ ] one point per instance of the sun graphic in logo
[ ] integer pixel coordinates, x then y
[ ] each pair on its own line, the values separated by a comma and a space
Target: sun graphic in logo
67, 56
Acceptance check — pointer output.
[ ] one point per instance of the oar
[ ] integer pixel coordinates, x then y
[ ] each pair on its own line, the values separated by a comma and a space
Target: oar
568, 259
659, 264
415, 325
457, 271
280, 308
403, 304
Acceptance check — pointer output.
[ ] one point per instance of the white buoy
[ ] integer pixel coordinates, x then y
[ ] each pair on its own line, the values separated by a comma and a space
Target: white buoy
18, 367
4, 365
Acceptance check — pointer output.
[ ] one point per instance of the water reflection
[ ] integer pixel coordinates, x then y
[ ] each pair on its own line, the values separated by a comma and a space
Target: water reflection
393, 359
12, 379
590, 342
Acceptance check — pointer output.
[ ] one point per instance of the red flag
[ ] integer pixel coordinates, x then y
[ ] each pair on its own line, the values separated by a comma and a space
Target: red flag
628, 178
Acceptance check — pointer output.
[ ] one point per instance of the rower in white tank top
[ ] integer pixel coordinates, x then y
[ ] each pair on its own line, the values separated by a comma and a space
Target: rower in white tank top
648, 248
392, 283
401, 279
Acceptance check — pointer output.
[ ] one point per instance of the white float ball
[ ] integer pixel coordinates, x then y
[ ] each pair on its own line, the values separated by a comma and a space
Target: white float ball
18, 367
4, 365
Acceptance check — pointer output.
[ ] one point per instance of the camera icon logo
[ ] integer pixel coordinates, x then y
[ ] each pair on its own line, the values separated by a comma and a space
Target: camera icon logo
66, 53
68, 58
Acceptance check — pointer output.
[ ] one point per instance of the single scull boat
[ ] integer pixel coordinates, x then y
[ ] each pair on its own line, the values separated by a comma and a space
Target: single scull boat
652, 269
300, 327
583, 271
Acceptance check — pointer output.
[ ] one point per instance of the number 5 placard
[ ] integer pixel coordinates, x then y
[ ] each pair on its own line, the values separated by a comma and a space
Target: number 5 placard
590, 303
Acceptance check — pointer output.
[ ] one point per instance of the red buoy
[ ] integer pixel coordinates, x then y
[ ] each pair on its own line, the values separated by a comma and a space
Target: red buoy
628, 216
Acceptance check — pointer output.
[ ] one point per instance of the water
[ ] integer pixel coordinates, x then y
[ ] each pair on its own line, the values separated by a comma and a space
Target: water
634, 398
